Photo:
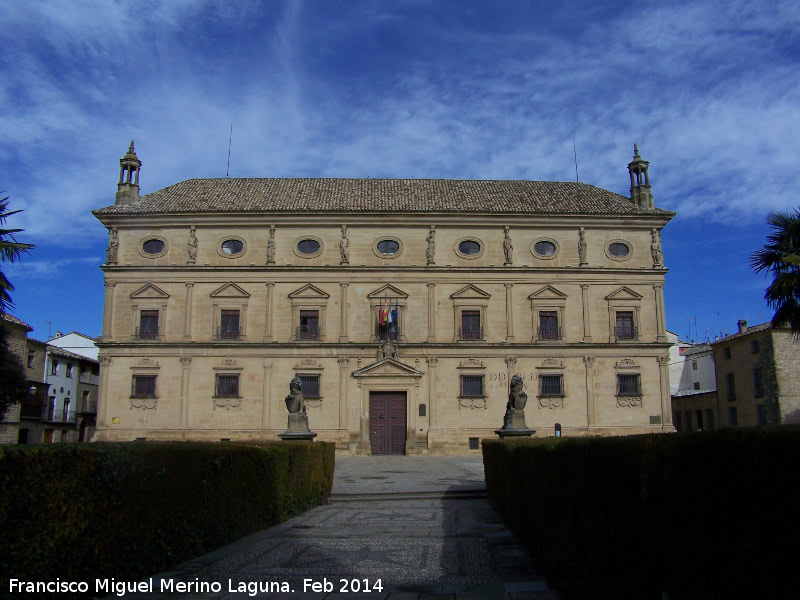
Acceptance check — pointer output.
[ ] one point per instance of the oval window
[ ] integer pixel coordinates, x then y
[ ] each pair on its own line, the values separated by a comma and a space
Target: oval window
544, 248
469, 247
618, 249
388, 247
308, 246
153, 247
232, 246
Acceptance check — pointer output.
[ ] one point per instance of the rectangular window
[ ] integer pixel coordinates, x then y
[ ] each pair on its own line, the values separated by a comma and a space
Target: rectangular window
761, 414
697, 385
699, 417
227, 386
694, 365
710, 418
471, 325
309, 325
53, 367
31, 358
548, 325
688, 416
472, 385
758, 385
731, 387
733, 417
551, 385
754, 347
473, 444
229, 325
676, 420
629, 385
625, 329
727, 352
148, 324
310, 386
144, 386
69, 370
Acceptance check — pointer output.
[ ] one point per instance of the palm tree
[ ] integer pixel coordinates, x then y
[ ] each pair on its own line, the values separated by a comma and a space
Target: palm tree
781, 257
10, 250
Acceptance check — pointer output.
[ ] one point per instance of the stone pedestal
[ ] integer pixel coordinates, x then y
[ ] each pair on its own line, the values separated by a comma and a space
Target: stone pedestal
297, 428
514, 425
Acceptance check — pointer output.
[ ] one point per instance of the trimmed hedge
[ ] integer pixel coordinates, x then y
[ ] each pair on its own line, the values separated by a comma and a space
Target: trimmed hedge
128, 510
695, 515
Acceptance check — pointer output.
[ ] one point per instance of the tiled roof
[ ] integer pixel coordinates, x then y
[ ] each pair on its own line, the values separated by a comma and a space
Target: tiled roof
684, 393
67, 354
15, 321
753, 329
382, 195
699, 349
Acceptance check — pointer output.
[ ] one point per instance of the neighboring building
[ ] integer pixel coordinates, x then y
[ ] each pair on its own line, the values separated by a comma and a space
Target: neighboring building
676, 360
71, 406
405, 306
693, 387
77, 343
16, 339
758, 380
61, 405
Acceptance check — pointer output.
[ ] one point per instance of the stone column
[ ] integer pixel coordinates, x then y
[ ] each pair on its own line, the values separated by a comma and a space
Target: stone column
666, 398
266, 411
108, 313
186, 362
187, 313
660, 318
343, 336
590, 416
431, 312
587, 330
102, 403
432, 362
511, 368
509, 313
344, 401
268, 318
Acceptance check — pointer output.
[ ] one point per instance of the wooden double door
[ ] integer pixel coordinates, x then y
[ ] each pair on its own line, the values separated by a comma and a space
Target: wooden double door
387, 422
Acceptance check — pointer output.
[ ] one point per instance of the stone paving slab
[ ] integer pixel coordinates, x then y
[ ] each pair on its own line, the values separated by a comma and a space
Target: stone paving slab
425, 548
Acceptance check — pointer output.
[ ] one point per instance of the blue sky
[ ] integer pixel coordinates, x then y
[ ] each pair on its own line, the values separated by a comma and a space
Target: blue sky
462, 89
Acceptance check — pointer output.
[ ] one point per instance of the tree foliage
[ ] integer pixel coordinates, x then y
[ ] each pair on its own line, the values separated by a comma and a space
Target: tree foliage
780, 257
10, 251
13, 383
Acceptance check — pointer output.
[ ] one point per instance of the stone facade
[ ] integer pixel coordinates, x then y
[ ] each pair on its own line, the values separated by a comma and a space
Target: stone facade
219, 292
758, 379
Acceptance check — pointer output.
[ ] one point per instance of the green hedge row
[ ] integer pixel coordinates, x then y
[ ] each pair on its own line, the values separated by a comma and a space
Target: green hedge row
83, 511
696, 515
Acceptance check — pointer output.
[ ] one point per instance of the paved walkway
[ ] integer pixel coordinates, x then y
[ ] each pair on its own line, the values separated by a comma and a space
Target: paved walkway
417, 527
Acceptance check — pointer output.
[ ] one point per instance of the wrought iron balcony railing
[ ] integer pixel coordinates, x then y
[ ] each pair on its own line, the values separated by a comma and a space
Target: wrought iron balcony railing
146, 333
229, 333
308, 332
626, 333
549, 333
470, 333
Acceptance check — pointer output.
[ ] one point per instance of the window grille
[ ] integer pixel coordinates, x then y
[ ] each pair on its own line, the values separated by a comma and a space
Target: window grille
629, 385
552, 385
310, 386
227, 386
144, 386
473, 443
472, 385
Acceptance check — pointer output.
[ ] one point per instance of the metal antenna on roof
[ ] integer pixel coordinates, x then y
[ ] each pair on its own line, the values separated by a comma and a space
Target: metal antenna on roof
230, 138
575, 152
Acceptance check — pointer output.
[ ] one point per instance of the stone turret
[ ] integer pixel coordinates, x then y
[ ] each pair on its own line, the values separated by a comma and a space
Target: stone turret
128, 187
640, 181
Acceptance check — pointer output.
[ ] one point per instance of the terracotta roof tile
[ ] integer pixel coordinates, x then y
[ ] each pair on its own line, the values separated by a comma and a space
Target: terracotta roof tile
15, 321
382, 195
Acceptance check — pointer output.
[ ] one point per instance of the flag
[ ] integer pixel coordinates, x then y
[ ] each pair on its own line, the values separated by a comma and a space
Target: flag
389, 319
396, 306
380, 313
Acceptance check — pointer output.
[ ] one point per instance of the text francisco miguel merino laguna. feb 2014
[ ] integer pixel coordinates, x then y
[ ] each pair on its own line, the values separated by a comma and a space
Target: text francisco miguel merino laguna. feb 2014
251, 588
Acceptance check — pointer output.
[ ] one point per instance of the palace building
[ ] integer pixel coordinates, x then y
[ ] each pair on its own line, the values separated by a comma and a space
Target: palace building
404, 305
